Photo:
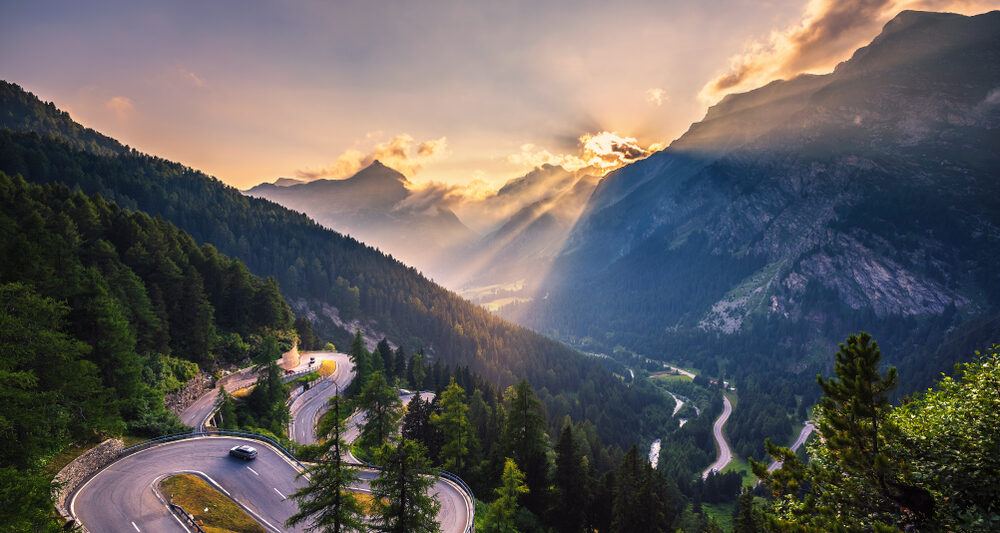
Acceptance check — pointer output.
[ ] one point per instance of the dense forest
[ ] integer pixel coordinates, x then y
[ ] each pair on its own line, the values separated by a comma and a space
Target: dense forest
105, 310
317, 267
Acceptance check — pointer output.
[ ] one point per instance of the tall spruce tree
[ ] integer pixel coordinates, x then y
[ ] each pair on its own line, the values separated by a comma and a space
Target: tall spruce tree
526, 442
502, 513
453, 423
402, 501
327, 502
383, 410
571, 497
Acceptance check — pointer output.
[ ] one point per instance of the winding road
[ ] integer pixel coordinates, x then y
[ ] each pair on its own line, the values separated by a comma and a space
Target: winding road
307, 408
121, 496
807, 430
725, 454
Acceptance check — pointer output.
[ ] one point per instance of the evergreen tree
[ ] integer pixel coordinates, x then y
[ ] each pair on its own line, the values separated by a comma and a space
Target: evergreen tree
746, 517
386, 357
571, 496
383, 410
525, 441
503, 510
416, 371
227, 411
642, 498
328, 502
362, 363
402, 501
456, 431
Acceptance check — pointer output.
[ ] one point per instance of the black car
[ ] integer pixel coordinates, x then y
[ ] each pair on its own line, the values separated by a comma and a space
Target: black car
244, 452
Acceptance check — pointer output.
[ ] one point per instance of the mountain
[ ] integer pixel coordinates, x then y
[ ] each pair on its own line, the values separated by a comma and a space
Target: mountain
337, 282
519, 229
800, 212
369, 206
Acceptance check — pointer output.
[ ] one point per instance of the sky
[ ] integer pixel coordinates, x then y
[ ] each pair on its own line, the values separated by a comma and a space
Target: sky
467, 94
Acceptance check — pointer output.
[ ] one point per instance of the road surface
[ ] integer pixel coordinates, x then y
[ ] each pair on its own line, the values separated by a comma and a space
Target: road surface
725, 454
120, 498
198, 413
307, 408
807, 430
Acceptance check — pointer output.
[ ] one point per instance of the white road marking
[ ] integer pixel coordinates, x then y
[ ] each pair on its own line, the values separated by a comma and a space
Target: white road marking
280, 494
136, 527
252, 470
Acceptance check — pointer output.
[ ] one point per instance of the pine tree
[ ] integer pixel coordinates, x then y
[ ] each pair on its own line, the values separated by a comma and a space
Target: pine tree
327, 502
453, 423
382, 410
746, 517
525, 441
503, 510
855, 406
571, 495
402, 502
362, 363
227, 411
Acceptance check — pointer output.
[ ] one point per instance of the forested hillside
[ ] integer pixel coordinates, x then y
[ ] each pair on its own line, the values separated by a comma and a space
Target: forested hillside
328, 276
102, 312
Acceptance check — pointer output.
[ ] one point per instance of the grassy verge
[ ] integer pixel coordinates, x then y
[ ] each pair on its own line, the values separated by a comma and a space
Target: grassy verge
671, 378
722, 513
216, 512
327, 367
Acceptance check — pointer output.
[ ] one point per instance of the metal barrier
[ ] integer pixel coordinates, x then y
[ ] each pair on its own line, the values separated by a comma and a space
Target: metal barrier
187, 516
206, 433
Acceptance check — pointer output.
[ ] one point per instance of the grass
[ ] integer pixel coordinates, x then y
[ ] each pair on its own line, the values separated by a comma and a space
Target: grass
327, 367
671, 378
739, 464
722, 513
216, 512
241, 393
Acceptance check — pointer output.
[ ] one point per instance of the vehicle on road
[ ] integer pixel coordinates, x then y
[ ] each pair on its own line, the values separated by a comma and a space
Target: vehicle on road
247, 453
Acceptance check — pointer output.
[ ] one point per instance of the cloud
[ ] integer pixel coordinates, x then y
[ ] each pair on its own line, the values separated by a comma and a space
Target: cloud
191, 77
829, 31
656, 96
121, 106
401, 153
598, 153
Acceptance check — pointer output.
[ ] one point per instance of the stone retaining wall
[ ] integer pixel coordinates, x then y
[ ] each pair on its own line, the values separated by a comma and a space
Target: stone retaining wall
81, 468
176, 402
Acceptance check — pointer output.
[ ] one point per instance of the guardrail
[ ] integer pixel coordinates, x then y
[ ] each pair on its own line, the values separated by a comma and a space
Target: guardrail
187, 516
209, 432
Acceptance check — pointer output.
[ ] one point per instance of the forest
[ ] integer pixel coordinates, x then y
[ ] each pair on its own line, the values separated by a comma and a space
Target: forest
104, 311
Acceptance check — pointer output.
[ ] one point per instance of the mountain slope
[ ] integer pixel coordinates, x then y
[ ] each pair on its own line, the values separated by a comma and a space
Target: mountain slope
368, 206
336, 280
797, 213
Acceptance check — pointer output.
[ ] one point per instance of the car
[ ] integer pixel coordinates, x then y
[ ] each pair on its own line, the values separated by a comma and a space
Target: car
247, 453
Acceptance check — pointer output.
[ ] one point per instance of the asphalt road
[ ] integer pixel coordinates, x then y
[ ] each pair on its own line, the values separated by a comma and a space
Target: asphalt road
307, 408
120, 498
197, 414
807, 430
725, 454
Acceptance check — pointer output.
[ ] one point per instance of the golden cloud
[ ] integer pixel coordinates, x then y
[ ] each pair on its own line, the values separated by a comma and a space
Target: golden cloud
656, 96
121, 106
598, 154
829, 31
401, 153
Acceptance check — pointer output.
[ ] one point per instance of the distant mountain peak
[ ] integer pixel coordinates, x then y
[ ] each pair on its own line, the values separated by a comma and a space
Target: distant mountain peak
378, 171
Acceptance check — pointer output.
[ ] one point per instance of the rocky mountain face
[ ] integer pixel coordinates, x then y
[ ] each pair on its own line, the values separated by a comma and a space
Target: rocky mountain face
799, 212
